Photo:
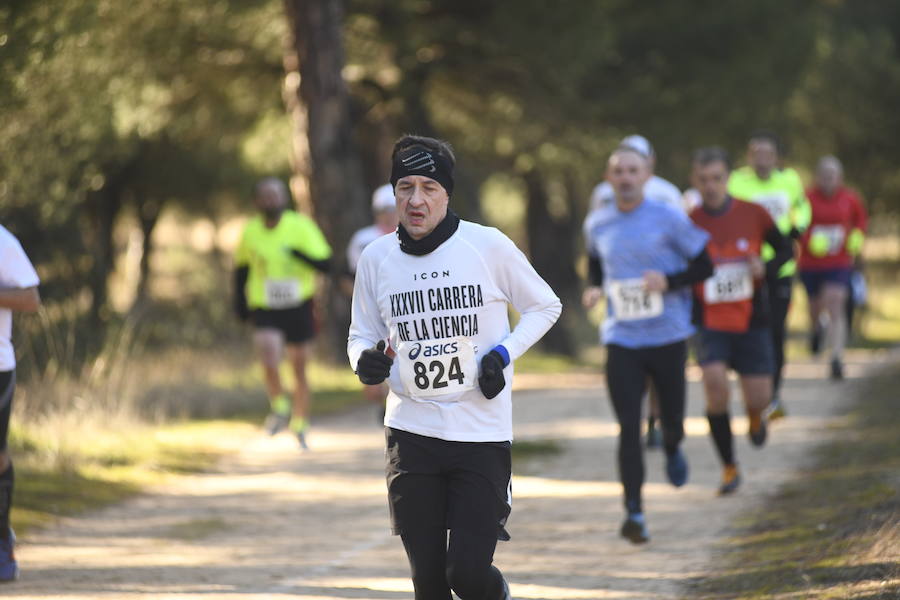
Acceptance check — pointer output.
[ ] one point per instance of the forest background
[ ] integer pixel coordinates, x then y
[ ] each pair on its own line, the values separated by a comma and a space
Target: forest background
131, 133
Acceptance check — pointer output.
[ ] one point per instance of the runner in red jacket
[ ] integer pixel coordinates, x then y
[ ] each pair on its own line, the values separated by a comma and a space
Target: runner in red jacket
827, 251
731, 308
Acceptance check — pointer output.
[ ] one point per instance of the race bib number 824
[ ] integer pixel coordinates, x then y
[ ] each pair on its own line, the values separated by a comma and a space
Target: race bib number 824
431, 369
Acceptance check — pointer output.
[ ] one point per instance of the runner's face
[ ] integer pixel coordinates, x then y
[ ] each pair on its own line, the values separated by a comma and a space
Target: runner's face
828, 177
762, 156
627, 172
270, 200
421, 204
711, 180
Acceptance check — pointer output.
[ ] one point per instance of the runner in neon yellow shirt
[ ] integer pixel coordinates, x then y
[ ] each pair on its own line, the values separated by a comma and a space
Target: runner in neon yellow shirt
276, 266
781, 192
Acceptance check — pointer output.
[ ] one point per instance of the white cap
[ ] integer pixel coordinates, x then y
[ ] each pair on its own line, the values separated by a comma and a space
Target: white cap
383, 199
639, 144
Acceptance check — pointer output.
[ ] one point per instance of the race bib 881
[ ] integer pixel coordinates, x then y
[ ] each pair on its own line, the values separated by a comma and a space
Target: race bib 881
731, 282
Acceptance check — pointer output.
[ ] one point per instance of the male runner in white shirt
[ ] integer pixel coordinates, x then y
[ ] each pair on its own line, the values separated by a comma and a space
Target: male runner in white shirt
18, 292
430, 316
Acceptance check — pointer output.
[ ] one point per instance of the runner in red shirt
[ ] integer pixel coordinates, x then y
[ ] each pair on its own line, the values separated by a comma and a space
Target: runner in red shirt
731, 308
827, 251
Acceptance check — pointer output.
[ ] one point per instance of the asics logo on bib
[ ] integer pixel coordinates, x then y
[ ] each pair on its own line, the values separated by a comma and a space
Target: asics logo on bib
430, 350
420, 161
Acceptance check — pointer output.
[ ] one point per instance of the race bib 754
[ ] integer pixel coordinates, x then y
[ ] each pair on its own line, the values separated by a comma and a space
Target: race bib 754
631, 301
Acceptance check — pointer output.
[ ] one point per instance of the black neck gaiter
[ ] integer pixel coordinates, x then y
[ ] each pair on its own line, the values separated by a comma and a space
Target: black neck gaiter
427, 244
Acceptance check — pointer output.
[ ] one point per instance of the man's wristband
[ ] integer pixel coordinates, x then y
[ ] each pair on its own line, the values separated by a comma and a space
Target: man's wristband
503, 352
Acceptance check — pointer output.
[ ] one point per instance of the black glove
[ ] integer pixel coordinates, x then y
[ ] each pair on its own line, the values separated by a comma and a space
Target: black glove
491, 380
374, 365
240, 296
242, 311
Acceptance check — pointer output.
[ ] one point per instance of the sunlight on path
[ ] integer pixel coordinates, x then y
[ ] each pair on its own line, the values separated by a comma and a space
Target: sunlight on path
275, 523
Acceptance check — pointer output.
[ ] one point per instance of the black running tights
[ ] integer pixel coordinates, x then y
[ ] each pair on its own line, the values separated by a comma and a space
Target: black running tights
779, 303
464, 565
627, 370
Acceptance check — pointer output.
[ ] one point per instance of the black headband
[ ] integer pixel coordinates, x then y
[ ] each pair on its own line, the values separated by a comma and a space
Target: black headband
421, 161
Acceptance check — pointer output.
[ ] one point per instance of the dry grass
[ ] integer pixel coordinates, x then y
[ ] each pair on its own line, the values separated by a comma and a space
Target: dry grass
834, 532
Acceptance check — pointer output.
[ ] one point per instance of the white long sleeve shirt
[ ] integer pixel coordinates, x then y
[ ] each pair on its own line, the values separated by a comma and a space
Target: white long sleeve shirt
439, 314
16, 272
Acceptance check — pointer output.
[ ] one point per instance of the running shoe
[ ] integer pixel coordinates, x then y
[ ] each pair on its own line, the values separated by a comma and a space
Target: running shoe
9, 568
276, 422
677, 468
634, 529
301, 439
758, 430
837, 369
731, 479
776, 409
654, 437
299, 425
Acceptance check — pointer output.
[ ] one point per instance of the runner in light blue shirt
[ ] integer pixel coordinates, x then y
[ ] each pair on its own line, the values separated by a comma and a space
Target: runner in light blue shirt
644, 256
651, 237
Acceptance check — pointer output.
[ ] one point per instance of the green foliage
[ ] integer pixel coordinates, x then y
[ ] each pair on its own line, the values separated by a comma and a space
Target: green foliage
846, 103
108, 103
114, 107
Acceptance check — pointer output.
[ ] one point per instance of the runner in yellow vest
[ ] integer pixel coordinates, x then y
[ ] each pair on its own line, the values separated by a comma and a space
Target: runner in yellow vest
275, 281
781, 192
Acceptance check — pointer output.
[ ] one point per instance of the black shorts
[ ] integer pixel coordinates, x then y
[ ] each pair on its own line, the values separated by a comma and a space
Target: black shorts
465, 485
7, 386
814, 280
748, 353
297, 324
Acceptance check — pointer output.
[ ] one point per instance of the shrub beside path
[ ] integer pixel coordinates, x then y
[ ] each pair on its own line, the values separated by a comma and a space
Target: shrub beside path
272, 523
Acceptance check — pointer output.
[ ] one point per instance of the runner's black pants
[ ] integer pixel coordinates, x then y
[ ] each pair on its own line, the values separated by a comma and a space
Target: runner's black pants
441, 489
779, 303
627, 370
7, 476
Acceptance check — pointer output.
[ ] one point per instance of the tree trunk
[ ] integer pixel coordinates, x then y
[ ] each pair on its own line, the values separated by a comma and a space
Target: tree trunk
417, 120
337, 188
103, 208
552, 242
148, 212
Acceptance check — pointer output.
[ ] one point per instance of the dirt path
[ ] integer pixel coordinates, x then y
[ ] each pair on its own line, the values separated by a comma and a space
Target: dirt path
273, 523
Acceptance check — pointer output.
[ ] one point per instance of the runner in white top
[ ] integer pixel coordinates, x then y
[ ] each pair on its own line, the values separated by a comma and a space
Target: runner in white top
436, 297
655, 188
18, 292
384, 210
658, 189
